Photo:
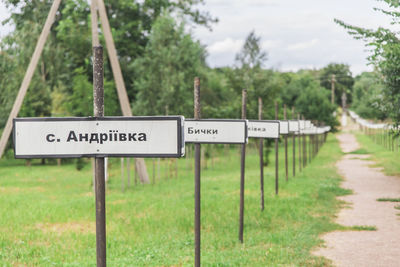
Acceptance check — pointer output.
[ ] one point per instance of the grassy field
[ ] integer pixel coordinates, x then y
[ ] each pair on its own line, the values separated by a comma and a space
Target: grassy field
47, 215
381, 155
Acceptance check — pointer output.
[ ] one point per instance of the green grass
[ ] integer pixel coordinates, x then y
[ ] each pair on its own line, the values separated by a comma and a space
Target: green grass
361, 151
382, 156
388, 199
47, 214
362, 228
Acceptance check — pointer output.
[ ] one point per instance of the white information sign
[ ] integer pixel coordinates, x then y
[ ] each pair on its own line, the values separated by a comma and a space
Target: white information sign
307, 124
283, 127
216, 131
293, 126
263, 129
108, 136
302, 124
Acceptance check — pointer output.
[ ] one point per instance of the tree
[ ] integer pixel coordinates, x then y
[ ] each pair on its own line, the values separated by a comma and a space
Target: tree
167, 69
313, 102
385, 56
343, 80
368, 96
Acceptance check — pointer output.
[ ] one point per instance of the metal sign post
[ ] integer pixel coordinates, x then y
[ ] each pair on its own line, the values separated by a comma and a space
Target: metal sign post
294, 143
286, 146
261, 148
301, 127
197, 168
276, 155
100, 187
242, 169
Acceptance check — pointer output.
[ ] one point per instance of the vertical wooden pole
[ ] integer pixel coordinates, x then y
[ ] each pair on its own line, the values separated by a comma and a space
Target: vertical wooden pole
286, 146
98, 103
197, 169
28, 75
261, 150
128, 172
242, 169
276, 155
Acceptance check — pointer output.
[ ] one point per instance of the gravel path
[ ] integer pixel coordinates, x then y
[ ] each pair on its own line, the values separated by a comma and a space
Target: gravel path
365, 248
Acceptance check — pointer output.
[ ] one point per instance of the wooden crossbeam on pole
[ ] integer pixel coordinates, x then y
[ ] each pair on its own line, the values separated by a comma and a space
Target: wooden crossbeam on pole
28, 75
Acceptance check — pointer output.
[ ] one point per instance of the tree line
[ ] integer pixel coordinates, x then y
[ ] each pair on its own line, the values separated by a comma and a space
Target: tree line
159, 58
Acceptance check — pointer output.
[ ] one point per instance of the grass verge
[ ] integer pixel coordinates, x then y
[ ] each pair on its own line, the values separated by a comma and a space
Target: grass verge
383, 157
47, 215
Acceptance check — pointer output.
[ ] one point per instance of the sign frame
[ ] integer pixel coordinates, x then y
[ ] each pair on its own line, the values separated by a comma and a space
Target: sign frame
281, 122
222, 120
270, 121
298, 126
180, 135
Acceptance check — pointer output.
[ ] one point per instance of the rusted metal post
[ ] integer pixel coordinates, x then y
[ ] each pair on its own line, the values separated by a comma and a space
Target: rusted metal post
300, 163
197, 169
100, 192
242, 168
304, 149
276, 155
294, 147
286, 144
261, 157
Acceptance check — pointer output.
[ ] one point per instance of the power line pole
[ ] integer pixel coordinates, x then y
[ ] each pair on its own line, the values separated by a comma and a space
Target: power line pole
333, 80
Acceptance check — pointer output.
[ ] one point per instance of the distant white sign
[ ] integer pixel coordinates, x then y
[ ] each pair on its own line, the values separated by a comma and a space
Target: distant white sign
108, 136
216, 131
307, 124
263, 129
302, 124
283, 127
293, 126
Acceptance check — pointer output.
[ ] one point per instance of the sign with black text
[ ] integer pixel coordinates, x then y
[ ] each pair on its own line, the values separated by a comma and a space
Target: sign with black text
263, 129
293, 126
284, 127
216, 131
106, 136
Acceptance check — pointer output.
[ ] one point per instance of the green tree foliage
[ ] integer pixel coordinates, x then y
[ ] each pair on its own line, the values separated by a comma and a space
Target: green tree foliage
343, 80
167, 69
249, 74
385, 56
368, 96
313, 102
68, 48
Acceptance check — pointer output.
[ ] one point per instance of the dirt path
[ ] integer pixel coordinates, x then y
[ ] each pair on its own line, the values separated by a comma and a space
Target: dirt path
365, 248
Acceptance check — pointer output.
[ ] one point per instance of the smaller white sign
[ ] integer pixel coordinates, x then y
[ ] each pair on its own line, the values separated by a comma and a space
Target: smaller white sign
284, 127
307, 124
263, 129
302, 124
293, 126
216, 131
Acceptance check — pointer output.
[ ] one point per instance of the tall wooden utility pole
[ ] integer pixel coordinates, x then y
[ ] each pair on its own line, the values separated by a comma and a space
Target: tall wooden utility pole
333, 80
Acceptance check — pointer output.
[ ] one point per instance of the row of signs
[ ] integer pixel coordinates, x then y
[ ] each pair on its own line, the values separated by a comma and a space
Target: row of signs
140, 136
367, 124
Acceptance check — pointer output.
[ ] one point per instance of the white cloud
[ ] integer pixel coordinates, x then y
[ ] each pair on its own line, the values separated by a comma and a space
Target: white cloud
228, 45
303, 45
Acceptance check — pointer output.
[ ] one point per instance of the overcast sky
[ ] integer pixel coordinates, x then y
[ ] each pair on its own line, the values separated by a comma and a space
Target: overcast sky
296, 34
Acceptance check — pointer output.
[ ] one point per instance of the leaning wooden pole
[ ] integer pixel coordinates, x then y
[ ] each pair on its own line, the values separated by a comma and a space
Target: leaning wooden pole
28, 75
119, 81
